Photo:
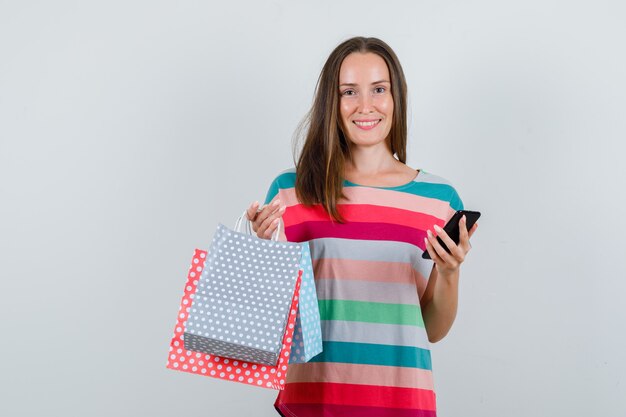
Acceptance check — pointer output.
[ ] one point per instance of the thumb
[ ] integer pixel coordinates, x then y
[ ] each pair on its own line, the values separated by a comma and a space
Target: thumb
251, 212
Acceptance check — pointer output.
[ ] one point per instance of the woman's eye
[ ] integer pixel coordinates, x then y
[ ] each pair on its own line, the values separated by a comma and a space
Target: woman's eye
348, 93
380, 90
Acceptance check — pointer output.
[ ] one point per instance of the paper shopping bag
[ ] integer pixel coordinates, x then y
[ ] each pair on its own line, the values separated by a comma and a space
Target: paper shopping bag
242, 303
219, 367
307, 336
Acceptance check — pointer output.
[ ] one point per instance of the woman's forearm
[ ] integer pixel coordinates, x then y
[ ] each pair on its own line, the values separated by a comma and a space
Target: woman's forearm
440, 312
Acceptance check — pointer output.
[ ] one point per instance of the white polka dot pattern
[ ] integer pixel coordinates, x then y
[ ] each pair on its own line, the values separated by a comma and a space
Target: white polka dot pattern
214, 366
307, 336
243, 297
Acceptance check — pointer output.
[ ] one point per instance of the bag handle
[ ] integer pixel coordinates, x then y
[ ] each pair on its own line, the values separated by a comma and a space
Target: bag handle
244, 219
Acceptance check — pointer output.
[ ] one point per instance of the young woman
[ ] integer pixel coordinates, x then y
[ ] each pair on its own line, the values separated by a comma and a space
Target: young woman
368, 218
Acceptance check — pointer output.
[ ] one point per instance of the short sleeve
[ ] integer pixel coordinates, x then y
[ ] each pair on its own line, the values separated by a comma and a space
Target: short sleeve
447, 194
284, 180
455, 202
451, 200
272, 191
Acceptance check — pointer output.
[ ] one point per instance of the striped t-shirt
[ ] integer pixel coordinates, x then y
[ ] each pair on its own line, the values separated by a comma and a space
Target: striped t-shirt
369, 276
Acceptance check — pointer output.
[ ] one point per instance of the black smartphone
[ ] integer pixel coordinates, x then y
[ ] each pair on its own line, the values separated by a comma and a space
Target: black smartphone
452, 228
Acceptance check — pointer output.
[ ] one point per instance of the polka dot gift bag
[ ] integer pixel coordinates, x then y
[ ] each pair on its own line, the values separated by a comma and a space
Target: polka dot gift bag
220, 367
238, 312
307, 336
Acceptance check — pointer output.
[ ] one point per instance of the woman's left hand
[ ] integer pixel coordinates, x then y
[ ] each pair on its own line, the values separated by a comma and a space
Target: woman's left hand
448, 263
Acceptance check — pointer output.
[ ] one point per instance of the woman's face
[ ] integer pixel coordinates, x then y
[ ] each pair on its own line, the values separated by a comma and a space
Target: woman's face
366, 103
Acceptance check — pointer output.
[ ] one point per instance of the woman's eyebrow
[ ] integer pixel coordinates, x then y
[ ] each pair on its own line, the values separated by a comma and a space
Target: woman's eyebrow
353, 84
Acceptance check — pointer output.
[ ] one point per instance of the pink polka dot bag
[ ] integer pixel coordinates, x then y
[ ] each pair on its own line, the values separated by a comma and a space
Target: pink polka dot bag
221, 367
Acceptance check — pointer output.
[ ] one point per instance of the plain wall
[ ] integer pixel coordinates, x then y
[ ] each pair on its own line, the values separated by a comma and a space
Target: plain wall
129, 129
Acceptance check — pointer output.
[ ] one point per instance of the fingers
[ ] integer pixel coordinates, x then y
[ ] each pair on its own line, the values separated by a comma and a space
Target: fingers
457, 252
464, 235
439, 250
270, 229
273, 221
265, 211
432, 252
447, 240
267, 219
252, 211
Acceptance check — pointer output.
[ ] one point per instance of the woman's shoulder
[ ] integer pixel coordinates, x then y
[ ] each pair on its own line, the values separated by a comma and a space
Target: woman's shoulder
429, 177
283, 179
440, 187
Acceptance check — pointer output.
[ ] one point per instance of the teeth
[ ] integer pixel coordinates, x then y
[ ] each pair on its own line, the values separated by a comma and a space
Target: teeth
366, 124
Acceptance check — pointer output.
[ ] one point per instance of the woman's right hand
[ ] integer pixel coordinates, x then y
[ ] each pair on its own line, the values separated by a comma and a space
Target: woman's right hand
265, 221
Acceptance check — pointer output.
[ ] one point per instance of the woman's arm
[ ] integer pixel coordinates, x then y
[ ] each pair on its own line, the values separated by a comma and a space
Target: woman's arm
441, 296
439, 304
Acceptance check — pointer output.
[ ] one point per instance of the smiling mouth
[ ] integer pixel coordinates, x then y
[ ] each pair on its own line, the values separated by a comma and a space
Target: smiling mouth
366, 125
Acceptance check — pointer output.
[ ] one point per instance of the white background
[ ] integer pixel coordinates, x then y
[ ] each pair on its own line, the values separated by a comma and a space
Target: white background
128, 129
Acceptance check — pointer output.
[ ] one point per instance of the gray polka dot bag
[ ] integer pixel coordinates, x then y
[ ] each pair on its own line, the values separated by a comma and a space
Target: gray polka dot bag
181, 359
242, 302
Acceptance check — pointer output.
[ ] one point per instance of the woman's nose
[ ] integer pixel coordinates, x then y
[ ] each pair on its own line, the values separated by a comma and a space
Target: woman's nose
365, 103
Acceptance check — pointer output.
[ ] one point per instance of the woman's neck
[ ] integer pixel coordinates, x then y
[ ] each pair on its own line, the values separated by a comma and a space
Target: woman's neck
370, 160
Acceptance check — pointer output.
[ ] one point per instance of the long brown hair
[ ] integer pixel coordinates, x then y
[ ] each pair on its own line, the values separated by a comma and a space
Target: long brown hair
319, 170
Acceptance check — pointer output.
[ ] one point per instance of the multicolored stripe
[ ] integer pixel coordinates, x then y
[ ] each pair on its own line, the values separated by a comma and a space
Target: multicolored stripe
369, 277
